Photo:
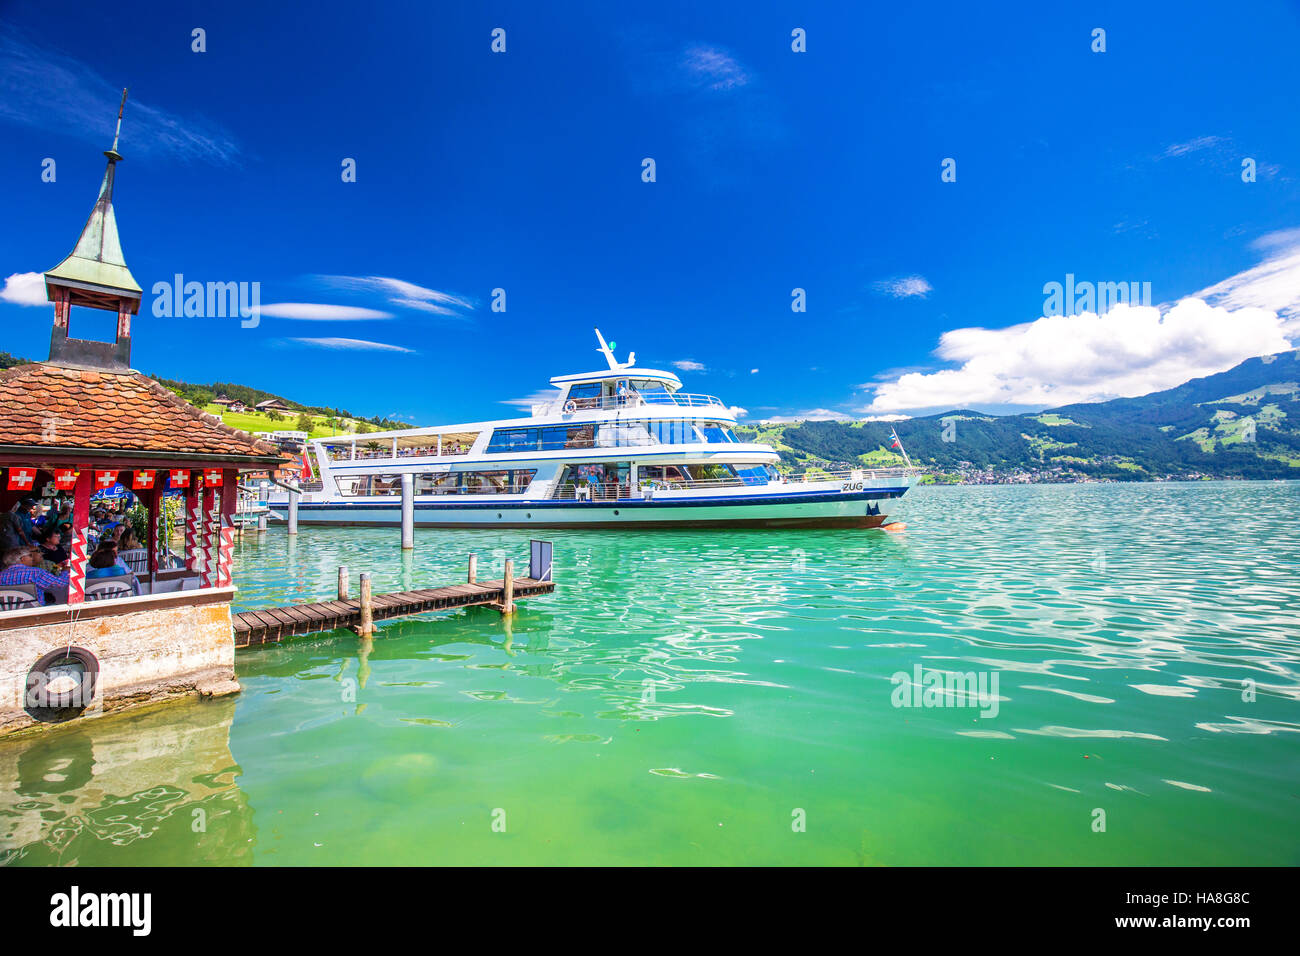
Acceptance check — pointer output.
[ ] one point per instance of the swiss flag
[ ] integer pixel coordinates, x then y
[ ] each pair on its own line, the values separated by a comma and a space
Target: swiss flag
21, 479
180, 477
142, 479
105, 479
65, 479
306, 468
212, 478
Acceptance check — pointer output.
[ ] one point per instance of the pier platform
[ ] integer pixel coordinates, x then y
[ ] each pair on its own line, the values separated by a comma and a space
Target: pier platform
268, 625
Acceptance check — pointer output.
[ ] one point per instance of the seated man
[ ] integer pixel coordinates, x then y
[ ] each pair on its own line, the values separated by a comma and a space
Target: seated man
19, 569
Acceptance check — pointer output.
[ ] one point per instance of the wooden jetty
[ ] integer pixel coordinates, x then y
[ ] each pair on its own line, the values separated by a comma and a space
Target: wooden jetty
268, 625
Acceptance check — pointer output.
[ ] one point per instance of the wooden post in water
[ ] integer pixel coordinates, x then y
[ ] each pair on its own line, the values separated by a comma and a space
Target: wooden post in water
473, 568
343, 582
367, 625
508, 597
293, 508
408, 510
261, 523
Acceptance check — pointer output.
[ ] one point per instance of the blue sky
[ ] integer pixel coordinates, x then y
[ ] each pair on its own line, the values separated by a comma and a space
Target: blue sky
775, 170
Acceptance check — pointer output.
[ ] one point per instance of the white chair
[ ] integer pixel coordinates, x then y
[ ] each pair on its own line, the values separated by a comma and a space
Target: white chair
106, 589
15, 596
137, 559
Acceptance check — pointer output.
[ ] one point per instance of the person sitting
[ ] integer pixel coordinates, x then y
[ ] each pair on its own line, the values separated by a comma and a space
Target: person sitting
104, 563
128, 541
19, 569
52, 547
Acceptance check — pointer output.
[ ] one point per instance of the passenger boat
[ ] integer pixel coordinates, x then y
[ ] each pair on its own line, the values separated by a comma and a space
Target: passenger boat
623, 447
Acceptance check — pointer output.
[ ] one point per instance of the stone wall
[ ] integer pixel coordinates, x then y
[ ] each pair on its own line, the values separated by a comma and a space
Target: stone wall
149, 649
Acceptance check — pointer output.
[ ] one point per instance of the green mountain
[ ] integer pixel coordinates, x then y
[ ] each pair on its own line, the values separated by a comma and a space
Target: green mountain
1242, 423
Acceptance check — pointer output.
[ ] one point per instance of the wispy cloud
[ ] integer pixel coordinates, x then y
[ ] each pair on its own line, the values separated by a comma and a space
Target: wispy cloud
46, 89
24, 288
713, 68
904, 287
812, 415
1274, 284
321, 312
406, 295
350, 345
1193, 145
688, 365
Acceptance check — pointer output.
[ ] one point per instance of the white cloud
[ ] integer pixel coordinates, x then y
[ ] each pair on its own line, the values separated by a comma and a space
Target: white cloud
46, 89
321, 312
714, 68
1128, 351
753, 371
737, 411
350, 345
405, 294
1058, 360
904, 287
687, 365
886, 418
24, 288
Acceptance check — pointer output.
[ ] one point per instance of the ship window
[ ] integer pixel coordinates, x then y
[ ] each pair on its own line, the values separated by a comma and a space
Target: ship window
715, 433
586, 394
710, 471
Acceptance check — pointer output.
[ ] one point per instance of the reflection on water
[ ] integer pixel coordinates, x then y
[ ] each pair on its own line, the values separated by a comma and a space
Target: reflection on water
683, 693
155, 788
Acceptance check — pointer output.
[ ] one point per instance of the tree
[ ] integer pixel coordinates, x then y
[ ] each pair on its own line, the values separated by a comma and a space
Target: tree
305, 423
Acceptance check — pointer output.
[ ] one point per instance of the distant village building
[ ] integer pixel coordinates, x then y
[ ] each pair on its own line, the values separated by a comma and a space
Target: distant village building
230, 404
85, 421
272, 405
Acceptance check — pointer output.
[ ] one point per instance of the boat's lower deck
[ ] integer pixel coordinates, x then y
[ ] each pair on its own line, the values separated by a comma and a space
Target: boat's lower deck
834, 509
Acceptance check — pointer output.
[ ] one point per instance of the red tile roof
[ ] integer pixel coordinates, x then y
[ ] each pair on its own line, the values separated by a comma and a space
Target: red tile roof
64, 408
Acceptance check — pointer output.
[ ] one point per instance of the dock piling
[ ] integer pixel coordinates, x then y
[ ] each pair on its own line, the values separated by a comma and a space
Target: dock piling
508, 589
367, 625
473, 568
294, 494
261, 523
408, 511
343, 582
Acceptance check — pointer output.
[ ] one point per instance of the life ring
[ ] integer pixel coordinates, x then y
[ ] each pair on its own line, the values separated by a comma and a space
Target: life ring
570, 407
61, 684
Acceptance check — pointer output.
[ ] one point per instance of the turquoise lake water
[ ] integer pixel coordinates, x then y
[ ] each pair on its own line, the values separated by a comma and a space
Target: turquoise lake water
729, 698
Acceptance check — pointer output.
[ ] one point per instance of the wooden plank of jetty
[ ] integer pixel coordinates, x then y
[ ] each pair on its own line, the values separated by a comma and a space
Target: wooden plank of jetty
269, 625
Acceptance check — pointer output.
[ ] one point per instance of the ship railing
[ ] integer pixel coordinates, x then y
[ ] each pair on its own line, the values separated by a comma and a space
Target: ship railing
849, 474
631, 400
592, 491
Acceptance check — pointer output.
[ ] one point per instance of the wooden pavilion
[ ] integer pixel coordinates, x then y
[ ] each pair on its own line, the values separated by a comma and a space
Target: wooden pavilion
85, 420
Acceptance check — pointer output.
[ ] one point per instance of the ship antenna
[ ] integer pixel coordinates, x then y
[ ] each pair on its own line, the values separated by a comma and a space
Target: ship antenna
607, 352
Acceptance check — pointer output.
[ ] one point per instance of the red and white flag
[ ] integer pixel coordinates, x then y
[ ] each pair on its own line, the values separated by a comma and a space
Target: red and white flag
212, 477
180, 477
105, 479
65, 479
143, 480
307, 473
22, 479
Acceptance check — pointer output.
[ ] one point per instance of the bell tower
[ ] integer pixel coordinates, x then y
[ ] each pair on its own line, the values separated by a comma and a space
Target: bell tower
95, 276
